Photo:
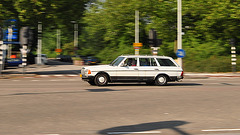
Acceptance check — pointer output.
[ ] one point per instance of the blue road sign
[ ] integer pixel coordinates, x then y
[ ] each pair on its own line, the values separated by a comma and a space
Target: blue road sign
180, 53
8, 42
11, 37
12, 24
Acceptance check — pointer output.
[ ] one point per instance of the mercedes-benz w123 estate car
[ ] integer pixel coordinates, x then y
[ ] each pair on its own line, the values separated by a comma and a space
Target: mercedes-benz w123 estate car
158, 70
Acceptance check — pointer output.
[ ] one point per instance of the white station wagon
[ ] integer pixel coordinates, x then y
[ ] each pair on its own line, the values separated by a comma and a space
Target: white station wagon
131, 68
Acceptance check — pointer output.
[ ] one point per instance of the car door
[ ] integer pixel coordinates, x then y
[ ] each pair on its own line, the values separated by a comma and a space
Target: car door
168, 66
148, 68
128, 71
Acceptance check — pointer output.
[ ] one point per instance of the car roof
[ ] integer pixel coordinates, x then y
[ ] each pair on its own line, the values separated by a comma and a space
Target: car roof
145, 56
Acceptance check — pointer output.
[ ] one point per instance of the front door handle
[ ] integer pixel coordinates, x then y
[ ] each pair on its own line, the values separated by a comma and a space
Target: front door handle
156, 69
135, 68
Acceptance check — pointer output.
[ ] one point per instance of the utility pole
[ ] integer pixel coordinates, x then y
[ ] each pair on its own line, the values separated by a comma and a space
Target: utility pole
58, 39
75, 32
137, 45
10, 35
179, 31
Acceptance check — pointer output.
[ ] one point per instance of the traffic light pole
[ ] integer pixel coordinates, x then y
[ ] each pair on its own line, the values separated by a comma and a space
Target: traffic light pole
24, 57
39, 49
179, 31
1, 56
1, 51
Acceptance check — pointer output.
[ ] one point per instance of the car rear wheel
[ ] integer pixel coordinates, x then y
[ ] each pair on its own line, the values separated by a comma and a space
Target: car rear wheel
161, 80
101, 80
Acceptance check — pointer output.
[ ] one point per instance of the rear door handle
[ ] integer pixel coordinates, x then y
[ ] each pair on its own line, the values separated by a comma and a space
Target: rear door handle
135, 68
156, 69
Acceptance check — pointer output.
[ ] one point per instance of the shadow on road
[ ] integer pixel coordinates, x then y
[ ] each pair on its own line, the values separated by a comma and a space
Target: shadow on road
143, 84
144, 127
43, 93
102, 90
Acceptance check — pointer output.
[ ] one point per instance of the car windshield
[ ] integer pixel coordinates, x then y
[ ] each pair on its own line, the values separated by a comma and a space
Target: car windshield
116, 61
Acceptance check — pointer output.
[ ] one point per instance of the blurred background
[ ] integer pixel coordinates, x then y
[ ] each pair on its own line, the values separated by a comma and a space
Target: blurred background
101, 30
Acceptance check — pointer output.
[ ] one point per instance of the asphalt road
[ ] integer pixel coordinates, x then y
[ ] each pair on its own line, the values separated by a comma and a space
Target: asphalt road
69, 106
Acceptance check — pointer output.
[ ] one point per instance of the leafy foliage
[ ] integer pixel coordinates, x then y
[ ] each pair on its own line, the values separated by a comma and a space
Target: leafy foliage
106, 27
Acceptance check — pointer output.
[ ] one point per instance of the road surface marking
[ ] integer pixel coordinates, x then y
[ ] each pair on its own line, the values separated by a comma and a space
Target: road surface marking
53, 80
144, 132
35, 80
58, 75
216, 130
72, 75
44, 75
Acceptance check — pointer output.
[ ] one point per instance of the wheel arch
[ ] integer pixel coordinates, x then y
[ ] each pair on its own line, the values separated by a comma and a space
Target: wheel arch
168, 78
103, 72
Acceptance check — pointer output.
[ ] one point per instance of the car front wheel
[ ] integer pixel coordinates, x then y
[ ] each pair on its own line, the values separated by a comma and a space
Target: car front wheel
161, 80
101, 80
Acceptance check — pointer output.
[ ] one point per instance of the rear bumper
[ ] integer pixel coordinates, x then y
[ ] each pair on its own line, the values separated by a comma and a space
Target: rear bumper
175, 78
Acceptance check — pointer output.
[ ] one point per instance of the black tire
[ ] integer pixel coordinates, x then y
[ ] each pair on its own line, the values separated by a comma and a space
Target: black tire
101, 80
91, 82
161, 80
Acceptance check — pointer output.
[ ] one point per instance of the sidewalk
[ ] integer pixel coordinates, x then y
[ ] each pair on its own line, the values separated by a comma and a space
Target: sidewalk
56, 68
191, 75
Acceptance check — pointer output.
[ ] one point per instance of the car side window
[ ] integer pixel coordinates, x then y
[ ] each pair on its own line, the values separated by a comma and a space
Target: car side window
130, 62
153, 62
165, 62
147, 62
144, 61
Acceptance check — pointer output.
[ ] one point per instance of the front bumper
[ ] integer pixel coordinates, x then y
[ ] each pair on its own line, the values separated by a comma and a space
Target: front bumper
87, 78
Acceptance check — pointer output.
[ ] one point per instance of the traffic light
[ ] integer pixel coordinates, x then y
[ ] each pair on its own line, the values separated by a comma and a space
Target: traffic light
153, 41
30, 37
25, 36
1, 34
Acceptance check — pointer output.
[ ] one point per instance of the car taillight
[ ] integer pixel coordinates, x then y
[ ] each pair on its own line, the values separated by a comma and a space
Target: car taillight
182, 73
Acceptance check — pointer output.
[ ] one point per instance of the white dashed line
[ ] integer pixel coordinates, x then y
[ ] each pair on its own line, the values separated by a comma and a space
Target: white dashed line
44, 75
72, 75
34, 80
220, 130
58, 75
53, 80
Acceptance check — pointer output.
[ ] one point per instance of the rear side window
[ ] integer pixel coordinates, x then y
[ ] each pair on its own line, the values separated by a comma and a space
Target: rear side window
147, 62
165, 62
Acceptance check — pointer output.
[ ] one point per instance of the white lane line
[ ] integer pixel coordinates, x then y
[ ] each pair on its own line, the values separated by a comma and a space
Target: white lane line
144, 132
35, 80
53, 80
44, 75
72, 75
58, 75
220, 130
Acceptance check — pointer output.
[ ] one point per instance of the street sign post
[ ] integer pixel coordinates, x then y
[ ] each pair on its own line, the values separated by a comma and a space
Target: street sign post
180, 53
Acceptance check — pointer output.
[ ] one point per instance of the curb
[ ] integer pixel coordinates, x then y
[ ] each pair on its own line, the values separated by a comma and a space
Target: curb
209, 75
37, 76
